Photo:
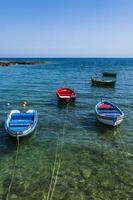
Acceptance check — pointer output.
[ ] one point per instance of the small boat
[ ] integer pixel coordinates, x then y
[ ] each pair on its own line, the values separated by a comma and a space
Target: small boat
103, 82
66, 95
109, 73
109, 114
20, 124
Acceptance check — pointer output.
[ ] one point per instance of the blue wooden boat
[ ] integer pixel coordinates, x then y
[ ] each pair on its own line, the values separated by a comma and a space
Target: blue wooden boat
20, 124
108, 113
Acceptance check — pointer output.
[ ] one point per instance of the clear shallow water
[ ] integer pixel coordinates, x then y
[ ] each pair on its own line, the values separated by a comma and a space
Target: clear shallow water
93, 161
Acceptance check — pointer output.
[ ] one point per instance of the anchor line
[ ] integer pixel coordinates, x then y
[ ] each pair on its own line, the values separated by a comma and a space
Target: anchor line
57, 162
13, 172
54, 168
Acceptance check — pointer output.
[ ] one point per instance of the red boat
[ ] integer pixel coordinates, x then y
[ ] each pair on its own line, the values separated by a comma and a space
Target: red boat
66, 95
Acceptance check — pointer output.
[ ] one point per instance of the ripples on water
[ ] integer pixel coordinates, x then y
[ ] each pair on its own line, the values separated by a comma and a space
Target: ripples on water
97, 161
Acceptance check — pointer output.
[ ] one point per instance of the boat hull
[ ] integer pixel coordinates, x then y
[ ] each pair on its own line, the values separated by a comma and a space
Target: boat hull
66, 95
109, 115
66, 100
103, 83
20, 131
109, 121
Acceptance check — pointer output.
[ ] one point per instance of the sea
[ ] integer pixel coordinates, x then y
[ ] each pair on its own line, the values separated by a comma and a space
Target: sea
70, 155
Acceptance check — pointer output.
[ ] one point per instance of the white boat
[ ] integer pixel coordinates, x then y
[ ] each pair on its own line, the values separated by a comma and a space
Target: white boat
20, 124
108, 113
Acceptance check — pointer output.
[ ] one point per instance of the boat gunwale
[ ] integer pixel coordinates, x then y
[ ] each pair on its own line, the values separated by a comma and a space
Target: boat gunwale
100, 80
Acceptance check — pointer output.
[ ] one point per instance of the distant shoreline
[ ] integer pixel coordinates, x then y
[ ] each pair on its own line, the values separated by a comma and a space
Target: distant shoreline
9, 63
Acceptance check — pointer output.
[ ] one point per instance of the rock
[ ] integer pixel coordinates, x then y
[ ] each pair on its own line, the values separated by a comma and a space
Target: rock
77, 196
86, 173
8, 63
13, 197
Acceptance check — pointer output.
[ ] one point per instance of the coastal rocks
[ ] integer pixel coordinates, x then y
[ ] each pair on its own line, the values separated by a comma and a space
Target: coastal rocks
9, 63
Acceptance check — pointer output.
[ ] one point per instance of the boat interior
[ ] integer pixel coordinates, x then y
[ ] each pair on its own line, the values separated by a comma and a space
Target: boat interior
21, 121
108, 109
65, 93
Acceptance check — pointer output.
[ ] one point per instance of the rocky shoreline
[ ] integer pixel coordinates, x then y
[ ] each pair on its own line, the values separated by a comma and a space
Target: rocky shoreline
9, 63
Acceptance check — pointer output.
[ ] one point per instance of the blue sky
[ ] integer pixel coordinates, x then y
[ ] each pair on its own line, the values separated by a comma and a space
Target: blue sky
66, 28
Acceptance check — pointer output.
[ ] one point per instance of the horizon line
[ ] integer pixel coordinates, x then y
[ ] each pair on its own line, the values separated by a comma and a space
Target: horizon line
67, 57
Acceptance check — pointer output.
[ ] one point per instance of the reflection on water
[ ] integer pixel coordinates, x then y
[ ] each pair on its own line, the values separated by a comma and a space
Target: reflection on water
89, 160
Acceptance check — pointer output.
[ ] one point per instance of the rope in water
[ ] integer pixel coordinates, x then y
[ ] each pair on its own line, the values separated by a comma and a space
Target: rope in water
54, 168
57, 163
13, 172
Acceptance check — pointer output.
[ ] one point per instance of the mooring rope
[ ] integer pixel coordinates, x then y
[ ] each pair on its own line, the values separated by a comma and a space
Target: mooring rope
13, 172
53, 172
57, 162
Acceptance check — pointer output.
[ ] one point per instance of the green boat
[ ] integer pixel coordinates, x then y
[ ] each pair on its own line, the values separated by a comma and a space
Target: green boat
103, 82
109, 73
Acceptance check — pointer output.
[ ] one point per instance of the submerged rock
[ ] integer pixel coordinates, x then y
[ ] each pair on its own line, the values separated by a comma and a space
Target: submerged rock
77, 196
86, 173
13, 197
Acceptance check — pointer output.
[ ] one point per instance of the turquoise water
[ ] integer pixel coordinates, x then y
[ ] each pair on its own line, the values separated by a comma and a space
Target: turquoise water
87, 160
